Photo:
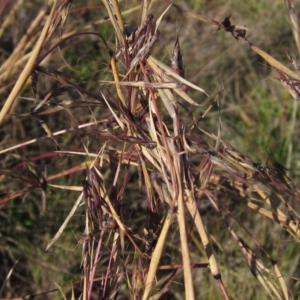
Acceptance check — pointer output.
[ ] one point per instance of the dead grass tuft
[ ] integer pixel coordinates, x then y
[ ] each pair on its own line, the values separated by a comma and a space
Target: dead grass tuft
153, 182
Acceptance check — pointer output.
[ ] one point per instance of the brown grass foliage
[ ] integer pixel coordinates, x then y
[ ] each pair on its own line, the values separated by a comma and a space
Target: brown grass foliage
117, 157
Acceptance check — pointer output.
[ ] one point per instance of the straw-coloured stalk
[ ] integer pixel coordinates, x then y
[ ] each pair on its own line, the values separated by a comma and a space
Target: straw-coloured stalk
156, 255
187, 270
29, 66
275, 63
294, 23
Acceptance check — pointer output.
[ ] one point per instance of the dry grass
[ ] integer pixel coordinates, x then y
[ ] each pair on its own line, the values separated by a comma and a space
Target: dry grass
158, 202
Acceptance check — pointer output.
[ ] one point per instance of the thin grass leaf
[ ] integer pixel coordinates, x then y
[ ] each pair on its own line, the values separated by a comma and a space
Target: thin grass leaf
294, 23
156, 255
191, 205
8, 276
161, 69
28, 68
143, 84
160, 18
114, 114
187, 270
118, 14
117, 80
282, 283
65, 223
186, 97
110, 9
145, 5
275, 63
61, 291
168, 101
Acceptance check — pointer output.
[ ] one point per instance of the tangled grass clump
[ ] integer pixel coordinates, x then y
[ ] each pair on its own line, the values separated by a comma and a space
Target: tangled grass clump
157, 187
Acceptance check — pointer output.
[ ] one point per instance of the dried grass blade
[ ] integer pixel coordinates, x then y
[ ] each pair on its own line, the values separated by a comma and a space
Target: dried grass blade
143, 52
66, 187
60, 17
274, 288
279, 218
282, 283
289, 207
191, 205
149, 155
275, 63
254, 264
16, 58
150, 123
160, 68
161, 17
73, 294
168, 101
10, 17
118, 31
113, 212
176, 58
66, 221
265, 282
48, 111
186, 97
146, 177
294, 23
158, 296
187, 271
113, 20
117, 80
262, 280
220, 121
112, 209
26, 143
282, 218
199, 17
28, 68
8, 276
118, 14
156, 255
145, 8
61, 291
144, 84
113, 113
48, 131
